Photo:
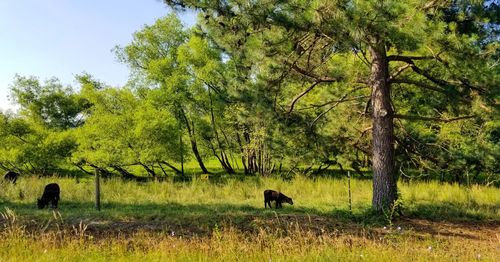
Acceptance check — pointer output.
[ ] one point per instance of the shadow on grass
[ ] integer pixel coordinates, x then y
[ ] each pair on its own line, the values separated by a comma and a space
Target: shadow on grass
155, 210
212, 213
451, 212
202, 219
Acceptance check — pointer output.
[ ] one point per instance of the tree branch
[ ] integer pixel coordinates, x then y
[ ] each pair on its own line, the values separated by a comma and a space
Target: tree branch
335, 101
419, 84
297, 97
171, 166
421, 72
367, 106
433, 4
312, 75
400, 70
408, 59
426, 86
423, 118
428, 76
330, 108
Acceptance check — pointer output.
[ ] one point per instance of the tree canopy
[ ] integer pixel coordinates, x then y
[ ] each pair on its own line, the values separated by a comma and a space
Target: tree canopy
438, 46
284, 88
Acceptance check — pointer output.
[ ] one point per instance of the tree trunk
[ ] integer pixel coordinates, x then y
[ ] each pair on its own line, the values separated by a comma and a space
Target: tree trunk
173, 167
148, 169
79, 166
102, 171
123, 172
242, 151
223, 160
194, 145
384, 176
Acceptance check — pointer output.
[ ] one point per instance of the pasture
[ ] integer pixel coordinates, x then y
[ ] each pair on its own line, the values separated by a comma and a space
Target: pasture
225, 220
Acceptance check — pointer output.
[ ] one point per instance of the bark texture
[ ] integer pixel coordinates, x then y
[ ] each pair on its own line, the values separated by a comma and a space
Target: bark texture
384, 176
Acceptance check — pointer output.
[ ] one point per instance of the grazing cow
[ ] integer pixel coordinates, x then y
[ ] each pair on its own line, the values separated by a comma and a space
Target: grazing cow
11, 176
278, 197
50, 194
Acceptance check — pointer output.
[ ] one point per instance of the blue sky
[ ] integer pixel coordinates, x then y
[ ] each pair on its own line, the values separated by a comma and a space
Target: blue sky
62, 38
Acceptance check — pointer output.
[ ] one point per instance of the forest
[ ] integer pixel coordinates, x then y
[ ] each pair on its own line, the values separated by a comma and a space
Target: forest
282, 92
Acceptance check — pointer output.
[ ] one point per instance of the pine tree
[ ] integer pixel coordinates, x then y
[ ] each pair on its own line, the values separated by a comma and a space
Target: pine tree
442, 47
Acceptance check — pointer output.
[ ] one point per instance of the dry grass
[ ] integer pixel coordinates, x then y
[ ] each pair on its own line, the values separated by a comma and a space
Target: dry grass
227, 243
225, 221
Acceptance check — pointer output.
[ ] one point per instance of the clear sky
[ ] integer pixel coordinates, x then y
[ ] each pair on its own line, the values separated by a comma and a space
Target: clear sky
62, 38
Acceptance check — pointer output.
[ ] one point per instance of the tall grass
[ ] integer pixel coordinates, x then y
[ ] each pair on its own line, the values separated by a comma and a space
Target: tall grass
229, 244
225, 220
322, 196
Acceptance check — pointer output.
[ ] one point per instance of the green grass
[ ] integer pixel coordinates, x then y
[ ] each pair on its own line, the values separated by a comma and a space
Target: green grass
323, 196
224, 219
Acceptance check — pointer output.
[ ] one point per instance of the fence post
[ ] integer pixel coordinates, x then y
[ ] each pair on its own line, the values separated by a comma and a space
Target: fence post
349, 188
181, 145
97, 191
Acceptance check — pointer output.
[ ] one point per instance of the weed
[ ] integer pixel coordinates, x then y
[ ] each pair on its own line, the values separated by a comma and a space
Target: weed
11, 227
391, 212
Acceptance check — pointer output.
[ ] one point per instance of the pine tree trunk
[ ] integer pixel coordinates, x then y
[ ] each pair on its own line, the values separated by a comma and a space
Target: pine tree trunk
384, 176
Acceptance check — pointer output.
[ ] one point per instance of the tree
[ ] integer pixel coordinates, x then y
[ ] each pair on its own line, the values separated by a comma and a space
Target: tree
436, 46
182, 72
39, 140
123, 130
153, 56
51, 104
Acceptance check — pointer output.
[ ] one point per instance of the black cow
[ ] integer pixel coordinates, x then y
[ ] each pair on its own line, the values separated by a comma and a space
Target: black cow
11, 176
278, 197
50, 194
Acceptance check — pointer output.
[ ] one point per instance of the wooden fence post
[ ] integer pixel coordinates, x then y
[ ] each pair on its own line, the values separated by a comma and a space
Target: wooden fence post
97, 191
182, 148
349, 188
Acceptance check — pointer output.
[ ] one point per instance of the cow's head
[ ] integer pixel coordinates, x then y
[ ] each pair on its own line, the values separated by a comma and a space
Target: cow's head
40, 203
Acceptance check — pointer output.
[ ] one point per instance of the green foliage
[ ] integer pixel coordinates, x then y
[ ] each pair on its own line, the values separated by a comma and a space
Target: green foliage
50, 104
123, 130
30, 147
442, 61
274, 89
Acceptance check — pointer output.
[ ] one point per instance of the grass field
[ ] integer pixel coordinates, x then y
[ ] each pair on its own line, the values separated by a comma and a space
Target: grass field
225, 220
